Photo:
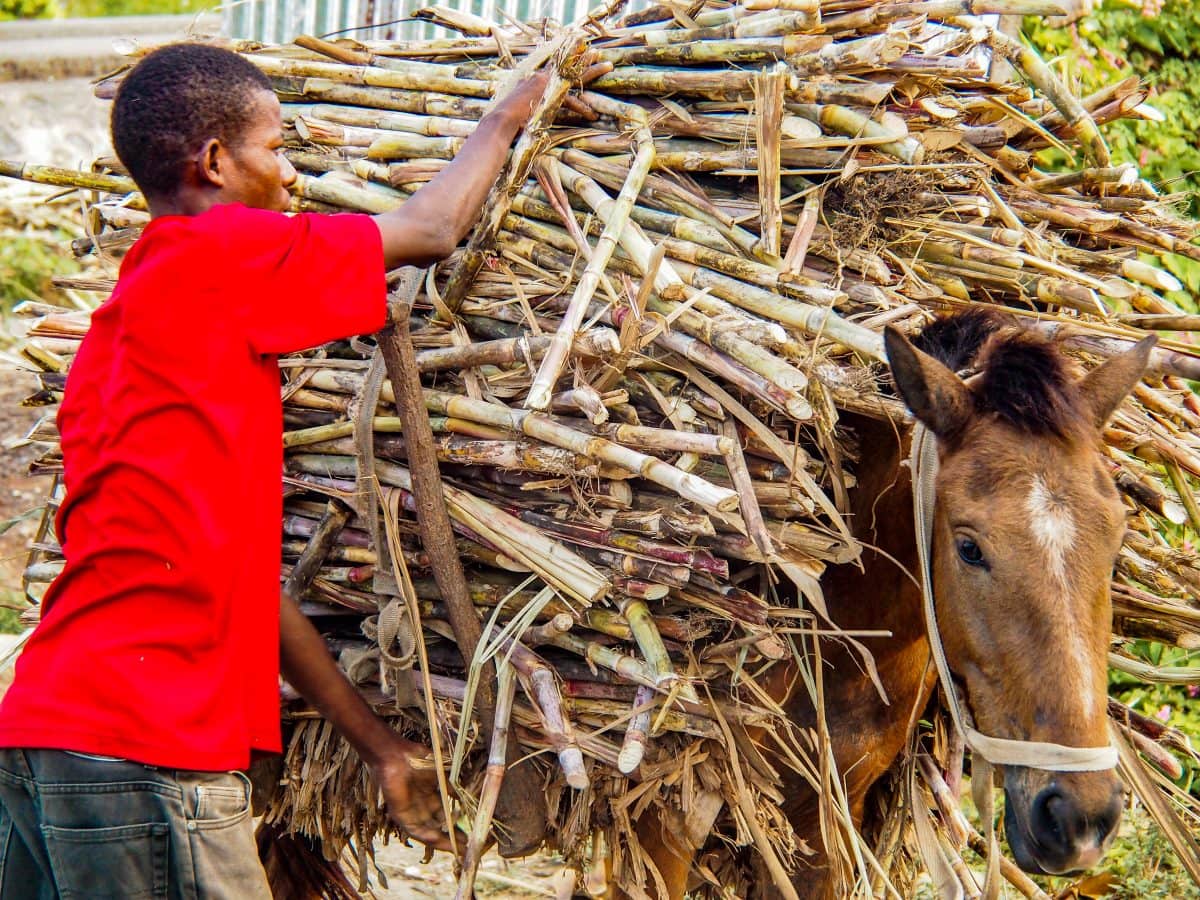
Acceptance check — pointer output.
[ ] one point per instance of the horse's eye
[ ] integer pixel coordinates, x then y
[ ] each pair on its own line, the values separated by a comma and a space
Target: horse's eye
969, 552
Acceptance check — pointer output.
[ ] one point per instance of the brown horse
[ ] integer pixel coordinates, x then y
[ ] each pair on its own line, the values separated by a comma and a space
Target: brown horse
1026, 529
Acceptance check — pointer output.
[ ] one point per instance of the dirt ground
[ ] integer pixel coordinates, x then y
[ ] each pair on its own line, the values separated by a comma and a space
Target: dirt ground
410, 879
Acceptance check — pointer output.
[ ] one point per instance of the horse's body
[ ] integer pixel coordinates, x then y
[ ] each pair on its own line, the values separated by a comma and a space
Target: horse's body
1026, 530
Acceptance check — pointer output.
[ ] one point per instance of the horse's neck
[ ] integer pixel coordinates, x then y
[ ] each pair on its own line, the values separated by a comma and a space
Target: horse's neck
865, 732
881, 596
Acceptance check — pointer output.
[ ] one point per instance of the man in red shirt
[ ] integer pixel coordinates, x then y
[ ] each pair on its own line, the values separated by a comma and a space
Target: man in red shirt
153, 675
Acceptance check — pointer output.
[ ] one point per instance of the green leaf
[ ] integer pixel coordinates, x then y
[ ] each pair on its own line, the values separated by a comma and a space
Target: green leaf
1185, 269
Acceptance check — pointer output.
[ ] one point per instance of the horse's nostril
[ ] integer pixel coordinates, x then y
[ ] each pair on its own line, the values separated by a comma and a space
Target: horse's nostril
1052, 820
1106, 821
1069, 837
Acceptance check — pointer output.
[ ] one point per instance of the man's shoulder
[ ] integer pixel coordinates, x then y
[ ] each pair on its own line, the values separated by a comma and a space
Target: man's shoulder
232, 240
234, 218
249, 227
210, 242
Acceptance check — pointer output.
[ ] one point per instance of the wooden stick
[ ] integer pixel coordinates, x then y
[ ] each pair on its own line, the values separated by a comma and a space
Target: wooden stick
324, 536
500, 199
521, 804
543, 384
493, 781
768, 108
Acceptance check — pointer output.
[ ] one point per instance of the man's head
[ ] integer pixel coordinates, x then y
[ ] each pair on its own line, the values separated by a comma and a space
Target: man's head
195, 126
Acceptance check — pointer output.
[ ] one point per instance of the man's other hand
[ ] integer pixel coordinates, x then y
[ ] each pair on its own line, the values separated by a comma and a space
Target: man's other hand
410, 789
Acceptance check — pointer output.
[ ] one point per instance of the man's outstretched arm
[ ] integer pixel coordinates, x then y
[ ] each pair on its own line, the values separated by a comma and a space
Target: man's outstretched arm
412, 797
430, 224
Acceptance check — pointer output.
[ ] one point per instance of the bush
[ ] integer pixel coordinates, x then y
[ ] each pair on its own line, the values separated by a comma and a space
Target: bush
93, 8
27, 264
26, 9
10, 615
1160, 43
86, 9
1162, 48
1142, 864
1173, 704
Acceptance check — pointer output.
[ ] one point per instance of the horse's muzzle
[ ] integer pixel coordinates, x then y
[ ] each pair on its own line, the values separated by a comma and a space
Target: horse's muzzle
1058, 823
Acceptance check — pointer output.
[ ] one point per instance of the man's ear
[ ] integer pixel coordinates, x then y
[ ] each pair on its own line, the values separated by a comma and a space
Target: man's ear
935, 395
208, 169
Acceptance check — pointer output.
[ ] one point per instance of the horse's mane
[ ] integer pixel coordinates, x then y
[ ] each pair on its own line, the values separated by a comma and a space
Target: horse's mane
1023, 378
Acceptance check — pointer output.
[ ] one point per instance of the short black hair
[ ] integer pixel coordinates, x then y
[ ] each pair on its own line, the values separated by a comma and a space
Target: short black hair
173, 101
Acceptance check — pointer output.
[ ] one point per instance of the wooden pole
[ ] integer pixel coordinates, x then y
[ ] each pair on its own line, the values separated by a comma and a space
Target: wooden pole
520, 808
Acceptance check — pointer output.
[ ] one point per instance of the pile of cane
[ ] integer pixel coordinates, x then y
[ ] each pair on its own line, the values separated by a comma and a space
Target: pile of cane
633, 373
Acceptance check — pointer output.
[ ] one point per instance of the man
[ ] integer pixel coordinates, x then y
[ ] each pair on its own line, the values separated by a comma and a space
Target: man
153, 676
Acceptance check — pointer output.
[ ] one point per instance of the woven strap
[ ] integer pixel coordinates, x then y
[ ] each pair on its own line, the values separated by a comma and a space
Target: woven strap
1040, 755
988, 751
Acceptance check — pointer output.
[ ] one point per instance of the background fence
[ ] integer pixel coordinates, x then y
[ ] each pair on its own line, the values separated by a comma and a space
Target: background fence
277, 21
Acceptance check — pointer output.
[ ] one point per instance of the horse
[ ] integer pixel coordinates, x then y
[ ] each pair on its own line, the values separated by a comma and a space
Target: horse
1026, 527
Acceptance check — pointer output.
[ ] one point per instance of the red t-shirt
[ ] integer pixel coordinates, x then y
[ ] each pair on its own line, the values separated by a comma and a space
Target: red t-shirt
159, 642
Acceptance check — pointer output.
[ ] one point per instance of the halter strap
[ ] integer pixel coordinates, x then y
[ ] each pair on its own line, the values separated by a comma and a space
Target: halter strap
988, 751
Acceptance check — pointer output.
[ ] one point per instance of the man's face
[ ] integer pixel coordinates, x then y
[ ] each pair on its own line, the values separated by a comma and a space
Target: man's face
260, 175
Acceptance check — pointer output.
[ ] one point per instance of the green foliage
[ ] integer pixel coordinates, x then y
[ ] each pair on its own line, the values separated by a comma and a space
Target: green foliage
1144, 865
1185, 269
1163, 49
1140, 864
93, 8
1173, 703
10, 616
86, 9
27, 263
26, 9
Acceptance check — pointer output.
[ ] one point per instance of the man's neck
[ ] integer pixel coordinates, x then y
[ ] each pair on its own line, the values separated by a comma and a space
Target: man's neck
184, 203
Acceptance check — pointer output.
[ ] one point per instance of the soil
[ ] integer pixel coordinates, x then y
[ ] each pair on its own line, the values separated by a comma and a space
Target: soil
410, 879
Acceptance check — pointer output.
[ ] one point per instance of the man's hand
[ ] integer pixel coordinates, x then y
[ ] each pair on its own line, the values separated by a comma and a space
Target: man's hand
519, 103
429, 225
410, 789
397, 765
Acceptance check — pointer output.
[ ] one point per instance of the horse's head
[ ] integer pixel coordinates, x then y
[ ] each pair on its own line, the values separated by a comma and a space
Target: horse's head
1026, 530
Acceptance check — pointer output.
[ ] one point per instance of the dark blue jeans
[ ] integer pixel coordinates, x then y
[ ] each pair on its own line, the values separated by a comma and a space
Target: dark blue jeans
74, 826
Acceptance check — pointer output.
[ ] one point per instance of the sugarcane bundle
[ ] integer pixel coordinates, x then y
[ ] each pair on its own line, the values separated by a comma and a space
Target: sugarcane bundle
634, 371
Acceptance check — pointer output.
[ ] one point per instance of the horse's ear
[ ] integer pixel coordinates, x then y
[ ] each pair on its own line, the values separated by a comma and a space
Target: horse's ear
936, 396
1107, 385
